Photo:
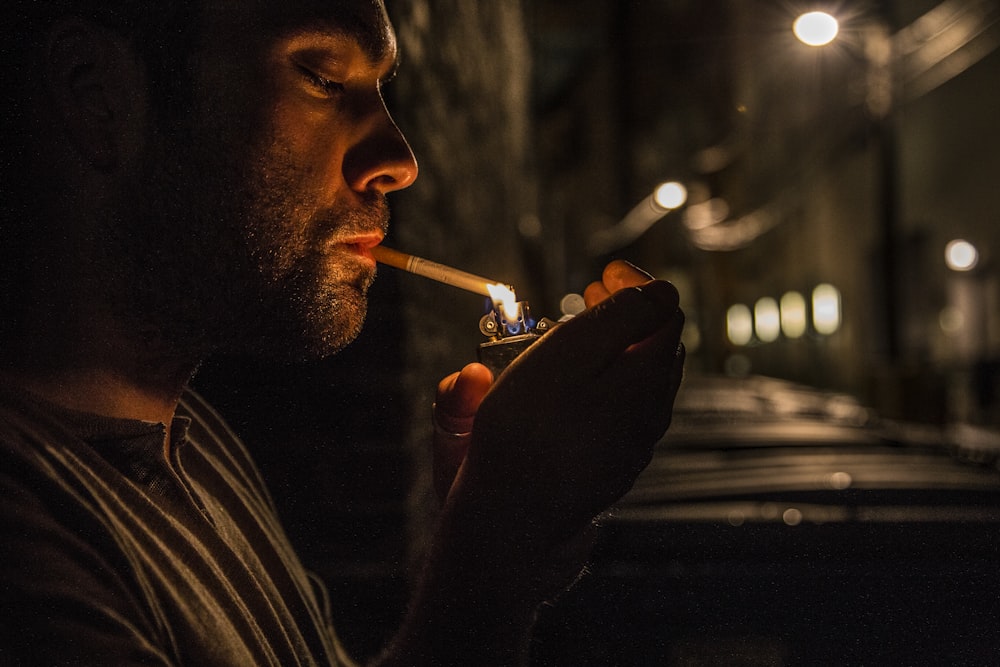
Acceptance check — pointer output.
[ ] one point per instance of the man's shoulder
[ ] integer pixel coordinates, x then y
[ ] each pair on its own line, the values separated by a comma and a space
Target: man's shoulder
27, 427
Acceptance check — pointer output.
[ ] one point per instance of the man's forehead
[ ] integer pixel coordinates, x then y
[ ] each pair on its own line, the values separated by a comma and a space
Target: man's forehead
364, 20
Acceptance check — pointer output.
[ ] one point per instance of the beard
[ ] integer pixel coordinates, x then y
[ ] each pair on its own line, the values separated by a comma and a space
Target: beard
225, 247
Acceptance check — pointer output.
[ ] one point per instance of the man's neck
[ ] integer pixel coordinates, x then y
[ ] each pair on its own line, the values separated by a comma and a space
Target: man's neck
101, 371
100, 391
79, 346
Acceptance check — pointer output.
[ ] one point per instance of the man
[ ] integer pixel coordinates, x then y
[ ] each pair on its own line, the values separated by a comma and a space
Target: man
204, 175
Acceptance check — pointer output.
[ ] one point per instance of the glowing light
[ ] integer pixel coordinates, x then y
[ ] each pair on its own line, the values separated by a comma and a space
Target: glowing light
840, 480
767, 320
739, 324
816, 28
503, 295
960, 255
826, 309
951, 320
665, 198
670, 195
793, 315
792, 516
572, 304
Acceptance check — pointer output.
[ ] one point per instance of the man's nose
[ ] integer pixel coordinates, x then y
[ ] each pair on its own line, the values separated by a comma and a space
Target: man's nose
382, 161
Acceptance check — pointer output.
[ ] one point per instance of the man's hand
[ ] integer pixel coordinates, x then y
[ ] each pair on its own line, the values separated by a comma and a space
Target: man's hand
458, 399
527, 462
568, 427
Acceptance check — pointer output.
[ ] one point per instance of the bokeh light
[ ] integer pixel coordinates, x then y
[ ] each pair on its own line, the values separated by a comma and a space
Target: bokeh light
767, 319
670, 195
793, 315
739, 324
960, 255
826, 309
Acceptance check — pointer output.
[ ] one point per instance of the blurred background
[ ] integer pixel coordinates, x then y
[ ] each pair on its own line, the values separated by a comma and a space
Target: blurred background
831, 221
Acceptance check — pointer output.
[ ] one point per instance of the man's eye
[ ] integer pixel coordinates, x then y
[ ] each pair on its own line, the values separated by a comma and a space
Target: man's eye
326, 85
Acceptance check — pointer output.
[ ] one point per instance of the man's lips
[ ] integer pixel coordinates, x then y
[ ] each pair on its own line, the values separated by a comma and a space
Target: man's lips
362, 244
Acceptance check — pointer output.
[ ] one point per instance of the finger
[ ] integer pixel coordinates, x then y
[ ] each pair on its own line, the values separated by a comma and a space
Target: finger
649, 376
617, 275
595, 293
657, 360
599, 335
459, 396
448, 455
620, 274
639, 414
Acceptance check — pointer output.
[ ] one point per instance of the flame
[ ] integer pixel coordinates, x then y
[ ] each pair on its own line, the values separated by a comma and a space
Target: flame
505, 297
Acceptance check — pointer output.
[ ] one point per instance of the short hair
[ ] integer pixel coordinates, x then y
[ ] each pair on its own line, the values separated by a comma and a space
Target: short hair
163, 32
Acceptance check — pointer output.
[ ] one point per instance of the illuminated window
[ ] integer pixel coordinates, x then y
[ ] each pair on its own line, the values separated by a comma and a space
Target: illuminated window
767, 320
739, 324
826, 309
793, 315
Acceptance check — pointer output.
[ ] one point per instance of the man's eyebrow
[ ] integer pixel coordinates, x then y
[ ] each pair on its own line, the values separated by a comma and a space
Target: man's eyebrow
373, 40
375, 51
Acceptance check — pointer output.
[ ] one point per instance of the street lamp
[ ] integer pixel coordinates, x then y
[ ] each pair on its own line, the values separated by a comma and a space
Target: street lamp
816, 28
670, 195
960, 255
665, 198
969, 310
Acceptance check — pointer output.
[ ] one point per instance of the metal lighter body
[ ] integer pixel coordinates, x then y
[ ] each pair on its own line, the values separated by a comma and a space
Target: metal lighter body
509, 337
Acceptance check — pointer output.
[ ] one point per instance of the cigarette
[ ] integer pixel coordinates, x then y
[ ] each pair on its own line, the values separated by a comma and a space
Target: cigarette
428, 269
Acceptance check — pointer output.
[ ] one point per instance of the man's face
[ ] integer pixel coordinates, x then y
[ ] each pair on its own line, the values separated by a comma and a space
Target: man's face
256, 209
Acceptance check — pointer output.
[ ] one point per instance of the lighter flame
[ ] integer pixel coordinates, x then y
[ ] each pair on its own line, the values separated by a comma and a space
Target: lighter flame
505, 296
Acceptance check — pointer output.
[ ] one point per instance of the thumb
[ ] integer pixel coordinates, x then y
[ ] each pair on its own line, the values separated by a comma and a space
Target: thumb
458, 398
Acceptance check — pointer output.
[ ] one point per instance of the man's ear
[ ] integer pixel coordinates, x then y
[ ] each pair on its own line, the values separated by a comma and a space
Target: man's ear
92, 78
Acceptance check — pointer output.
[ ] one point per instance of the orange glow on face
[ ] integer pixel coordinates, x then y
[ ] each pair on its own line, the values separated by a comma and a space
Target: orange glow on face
503, 295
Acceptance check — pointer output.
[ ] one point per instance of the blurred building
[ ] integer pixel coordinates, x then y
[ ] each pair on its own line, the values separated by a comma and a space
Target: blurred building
850, 165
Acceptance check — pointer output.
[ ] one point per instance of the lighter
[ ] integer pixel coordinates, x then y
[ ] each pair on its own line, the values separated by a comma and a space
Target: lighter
510, 331
508, 323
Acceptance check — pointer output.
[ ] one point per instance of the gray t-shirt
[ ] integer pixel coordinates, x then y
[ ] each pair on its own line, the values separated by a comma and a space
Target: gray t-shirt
117, 550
